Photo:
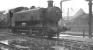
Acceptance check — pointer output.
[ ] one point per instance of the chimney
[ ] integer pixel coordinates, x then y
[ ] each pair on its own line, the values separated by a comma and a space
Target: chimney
50, 3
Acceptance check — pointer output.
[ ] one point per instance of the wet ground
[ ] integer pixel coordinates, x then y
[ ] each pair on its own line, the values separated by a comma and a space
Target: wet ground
42, 43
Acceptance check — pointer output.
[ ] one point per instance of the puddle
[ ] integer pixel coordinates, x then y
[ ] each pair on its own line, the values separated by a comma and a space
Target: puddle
59, 48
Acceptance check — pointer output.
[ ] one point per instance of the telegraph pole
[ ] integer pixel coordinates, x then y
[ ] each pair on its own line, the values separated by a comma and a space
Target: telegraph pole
61, 4
90, 18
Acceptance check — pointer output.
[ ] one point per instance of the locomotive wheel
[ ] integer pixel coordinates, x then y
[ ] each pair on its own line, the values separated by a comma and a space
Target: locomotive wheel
50, 36
51, 33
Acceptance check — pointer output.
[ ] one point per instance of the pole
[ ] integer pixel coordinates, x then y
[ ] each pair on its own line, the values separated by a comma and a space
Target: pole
90, 18
68, 14
61, 4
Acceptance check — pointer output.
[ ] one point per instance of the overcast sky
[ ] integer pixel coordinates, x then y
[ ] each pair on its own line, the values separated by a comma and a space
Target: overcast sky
73, 5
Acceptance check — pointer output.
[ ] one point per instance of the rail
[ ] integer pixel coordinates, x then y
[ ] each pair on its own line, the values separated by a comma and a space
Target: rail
39, 43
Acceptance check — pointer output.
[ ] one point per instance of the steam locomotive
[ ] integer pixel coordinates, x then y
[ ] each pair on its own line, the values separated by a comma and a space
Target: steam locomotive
36, 21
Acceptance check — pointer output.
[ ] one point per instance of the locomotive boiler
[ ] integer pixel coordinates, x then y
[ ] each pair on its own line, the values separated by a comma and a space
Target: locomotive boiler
36, 21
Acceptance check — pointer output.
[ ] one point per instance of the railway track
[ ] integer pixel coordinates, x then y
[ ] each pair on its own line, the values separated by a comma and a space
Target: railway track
54, 42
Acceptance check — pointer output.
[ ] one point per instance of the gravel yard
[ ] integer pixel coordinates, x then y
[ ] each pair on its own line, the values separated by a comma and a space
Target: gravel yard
38, 43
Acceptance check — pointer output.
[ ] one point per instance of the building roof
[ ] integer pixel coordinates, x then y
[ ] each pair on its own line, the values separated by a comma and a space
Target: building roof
80, 22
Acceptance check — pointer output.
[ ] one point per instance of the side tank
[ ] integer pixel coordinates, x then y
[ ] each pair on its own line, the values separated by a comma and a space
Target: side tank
27, 15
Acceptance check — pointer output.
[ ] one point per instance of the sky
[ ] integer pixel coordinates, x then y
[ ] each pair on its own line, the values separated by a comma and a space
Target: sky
73, 5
